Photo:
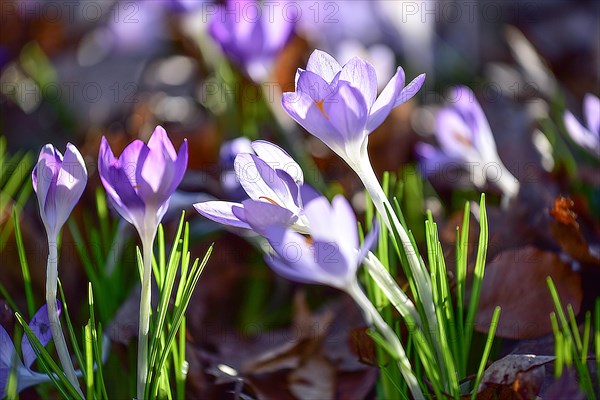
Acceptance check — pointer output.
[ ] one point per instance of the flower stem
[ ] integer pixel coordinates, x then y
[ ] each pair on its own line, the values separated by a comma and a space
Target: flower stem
57, 333
144, 321
365, 172
374, 318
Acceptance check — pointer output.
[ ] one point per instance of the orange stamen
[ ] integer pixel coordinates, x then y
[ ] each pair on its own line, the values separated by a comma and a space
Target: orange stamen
321, 108
269, 200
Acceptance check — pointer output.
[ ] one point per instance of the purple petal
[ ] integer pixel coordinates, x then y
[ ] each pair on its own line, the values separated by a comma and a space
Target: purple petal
368, 243
40, 325
453, 134
431, 160
361, 75
386, 101
591, 110
160, 142
118, 185
345, 222
277, 158
294, 259
70, 184
180, 165
277, 29
261, 182
410, 90
292, 186
308, 194
347, 112
222, 212
261, 215
45, 173
303, 109
8, 353
330, 257
323, 64
154, 177
314, 85
580, 135
320, 219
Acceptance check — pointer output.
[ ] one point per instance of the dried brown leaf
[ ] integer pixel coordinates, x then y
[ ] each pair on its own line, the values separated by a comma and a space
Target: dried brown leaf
516, 281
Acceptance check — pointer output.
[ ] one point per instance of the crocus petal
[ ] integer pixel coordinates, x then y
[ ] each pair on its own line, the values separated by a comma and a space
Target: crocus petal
277, 158
314, 85
70, 184
410, 90
386, 101
8, 355
432, 160
154, 175
322, 225
580, 135
591, 110
465, 103
347, 112
333, 261
323, 64
45, 173
308, 194
345, 226
160, 142
302, 108
222, 212
180, 165
361, 75
260, 181
40, 325
294, 259
368, 243
455, 136
261, 215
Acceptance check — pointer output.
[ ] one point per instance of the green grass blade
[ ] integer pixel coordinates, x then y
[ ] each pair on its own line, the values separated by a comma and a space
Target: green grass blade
486, 351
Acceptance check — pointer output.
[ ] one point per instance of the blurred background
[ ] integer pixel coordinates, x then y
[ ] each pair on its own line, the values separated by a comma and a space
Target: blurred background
73, 71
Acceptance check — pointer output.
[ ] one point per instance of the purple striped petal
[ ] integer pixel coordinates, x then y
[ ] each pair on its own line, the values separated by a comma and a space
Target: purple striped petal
261, 215
386, 101
347, 112
323, 65
223, 213
361, 75
40, 326
277, 158
410, 90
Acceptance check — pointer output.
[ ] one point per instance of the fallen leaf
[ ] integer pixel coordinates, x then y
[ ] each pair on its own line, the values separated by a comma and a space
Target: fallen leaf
565, 229
522, 373
516, 281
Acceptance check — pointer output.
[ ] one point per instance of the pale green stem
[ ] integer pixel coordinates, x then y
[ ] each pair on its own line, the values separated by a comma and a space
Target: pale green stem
374, 318
57, 333
365, 172
144, 321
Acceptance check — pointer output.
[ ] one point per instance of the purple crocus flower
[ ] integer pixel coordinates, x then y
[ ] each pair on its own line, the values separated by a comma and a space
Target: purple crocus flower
229, 181
275, 184
466, 139
141, 181
26, 377
340, 106
331, 256
59, 183
251, 35
587, 136
140, 184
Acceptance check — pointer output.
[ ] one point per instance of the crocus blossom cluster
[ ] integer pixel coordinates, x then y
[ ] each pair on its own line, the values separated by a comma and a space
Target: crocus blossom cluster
587, 136
275, 184
141, 181
465, 138
340, 106
251, 36
26, 377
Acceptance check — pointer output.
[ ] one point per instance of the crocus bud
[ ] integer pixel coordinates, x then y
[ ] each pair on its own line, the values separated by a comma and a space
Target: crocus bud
58, 182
